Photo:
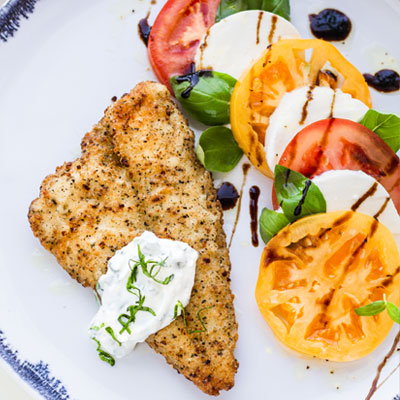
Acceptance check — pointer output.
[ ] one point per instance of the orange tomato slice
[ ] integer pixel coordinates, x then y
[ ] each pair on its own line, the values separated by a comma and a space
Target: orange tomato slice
317, 271
281, 69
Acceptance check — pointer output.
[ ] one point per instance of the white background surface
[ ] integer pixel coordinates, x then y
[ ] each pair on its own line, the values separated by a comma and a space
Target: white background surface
56, 77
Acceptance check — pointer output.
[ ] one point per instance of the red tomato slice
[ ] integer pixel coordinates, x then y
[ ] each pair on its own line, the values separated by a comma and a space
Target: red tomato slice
343, 144
176, 34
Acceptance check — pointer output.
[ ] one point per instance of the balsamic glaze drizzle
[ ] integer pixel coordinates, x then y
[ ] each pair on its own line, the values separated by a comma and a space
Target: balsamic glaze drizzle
254, 195
297, 210
144, 30
380, 367
330, 25
382, 209
304, 111
385, 80
193, 78
287, 174
274, 20
370, 192
260, 17
227, 196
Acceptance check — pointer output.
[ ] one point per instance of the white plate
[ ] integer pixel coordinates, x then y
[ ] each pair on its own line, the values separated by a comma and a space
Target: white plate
57, 75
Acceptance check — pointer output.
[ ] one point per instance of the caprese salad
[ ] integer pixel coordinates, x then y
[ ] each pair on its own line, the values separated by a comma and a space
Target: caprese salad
303, 116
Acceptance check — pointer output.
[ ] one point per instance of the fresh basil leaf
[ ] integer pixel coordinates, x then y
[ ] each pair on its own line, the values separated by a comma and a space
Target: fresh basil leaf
279, 7
393, 312
371, 309
297, 195
205, 95
271, 222
229, 7
218, 150
386, 126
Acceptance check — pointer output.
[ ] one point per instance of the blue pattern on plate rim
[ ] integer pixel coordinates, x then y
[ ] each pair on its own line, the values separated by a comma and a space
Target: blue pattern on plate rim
36, 375
10, 15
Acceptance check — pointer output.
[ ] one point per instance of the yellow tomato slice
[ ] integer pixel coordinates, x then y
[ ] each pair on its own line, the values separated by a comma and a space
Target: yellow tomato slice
317, 271
281, 69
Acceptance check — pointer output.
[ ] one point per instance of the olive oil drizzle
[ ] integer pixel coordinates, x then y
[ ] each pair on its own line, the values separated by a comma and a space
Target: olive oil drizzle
245, 169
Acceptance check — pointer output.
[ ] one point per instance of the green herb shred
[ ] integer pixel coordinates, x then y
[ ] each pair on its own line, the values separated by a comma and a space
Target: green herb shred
97, 328
179, 305
103, 355
126, 319
155, 268
132, 279
111, 332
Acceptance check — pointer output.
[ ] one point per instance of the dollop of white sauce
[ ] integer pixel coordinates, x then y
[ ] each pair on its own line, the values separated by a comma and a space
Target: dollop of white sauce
180, 262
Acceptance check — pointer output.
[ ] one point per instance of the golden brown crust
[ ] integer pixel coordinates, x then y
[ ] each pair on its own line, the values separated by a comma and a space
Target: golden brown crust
138, 171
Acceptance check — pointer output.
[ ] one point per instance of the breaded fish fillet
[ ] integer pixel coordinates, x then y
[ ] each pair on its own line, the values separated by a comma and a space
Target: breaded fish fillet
138, 171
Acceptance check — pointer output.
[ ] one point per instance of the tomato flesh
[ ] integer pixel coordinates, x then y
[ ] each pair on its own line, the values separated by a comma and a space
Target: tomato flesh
176, 34
315, 272
282, 68
343, 144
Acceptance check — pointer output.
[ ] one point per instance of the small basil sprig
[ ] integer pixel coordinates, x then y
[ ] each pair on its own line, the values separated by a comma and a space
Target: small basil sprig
386, 126
217, 149
297, 195
229, 7
205, 95
377, 307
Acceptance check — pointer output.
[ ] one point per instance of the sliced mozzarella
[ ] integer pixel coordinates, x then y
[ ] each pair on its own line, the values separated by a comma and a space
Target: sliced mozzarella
346, 190
302, 107
232, 44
